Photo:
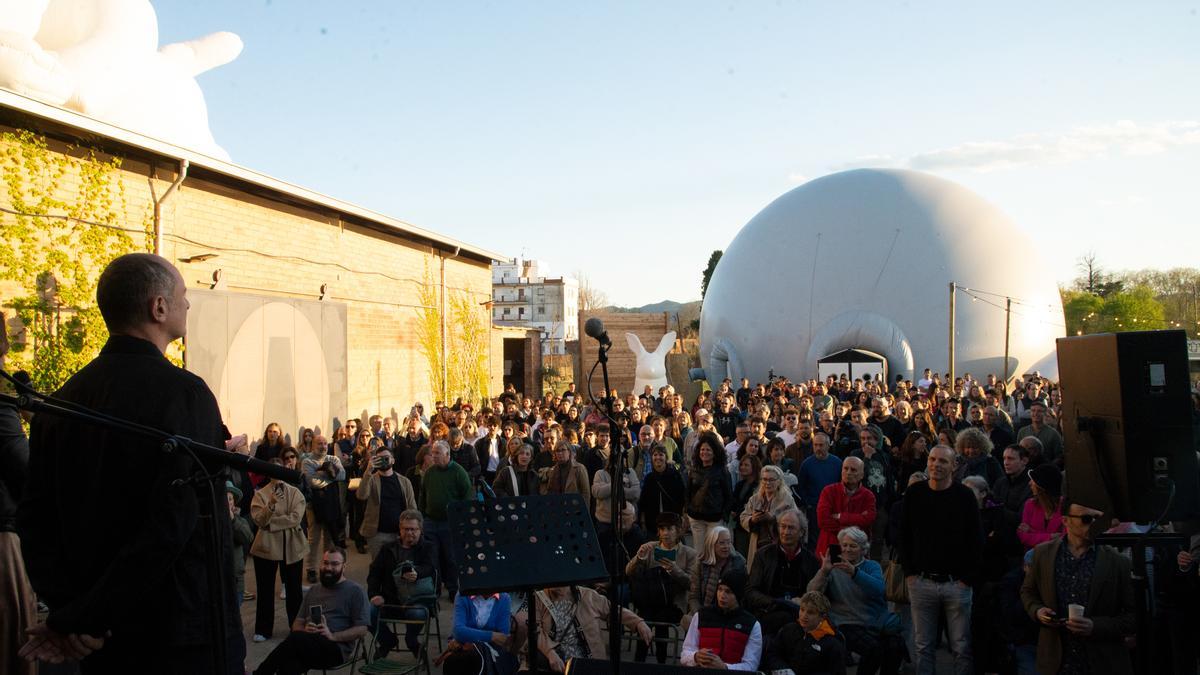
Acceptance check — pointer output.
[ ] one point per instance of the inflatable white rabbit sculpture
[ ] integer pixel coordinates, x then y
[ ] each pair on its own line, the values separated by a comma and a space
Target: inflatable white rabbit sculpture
651, 366
101, 58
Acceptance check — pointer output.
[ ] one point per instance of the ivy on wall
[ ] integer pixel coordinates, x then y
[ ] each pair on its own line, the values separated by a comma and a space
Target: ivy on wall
65, 219
467, 343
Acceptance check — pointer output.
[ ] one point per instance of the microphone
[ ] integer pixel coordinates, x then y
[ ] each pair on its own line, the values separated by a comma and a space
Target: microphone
595, 329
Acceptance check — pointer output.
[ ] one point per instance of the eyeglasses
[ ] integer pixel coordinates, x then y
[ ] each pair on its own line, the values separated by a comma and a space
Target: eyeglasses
1086, 519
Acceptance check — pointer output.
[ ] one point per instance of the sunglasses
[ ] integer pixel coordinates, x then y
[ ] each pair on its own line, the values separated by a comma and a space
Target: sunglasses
1086, 519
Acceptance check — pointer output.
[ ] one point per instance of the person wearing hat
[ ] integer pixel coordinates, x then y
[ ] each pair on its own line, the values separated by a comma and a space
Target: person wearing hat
242, 537
1041, 519
724, 635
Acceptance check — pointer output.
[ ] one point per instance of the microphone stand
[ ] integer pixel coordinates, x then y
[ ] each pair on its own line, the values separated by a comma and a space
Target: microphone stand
203, 482
616, 465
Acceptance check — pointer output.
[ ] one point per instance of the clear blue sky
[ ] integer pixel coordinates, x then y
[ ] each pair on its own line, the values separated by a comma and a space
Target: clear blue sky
628, 140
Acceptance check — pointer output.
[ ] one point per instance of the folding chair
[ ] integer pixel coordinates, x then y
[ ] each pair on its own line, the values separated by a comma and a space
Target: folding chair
358, 653
397, 618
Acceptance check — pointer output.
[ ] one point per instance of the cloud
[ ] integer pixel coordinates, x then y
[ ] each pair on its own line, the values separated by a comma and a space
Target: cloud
1039, 149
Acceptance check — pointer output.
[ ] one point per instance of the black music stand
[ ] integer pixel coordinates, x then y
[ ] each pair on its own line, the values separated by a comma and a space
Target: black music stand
524, 544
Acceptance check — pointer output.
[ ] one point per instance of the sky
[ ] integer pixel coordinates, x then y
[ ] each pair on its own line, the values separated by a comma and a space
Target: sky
628, 140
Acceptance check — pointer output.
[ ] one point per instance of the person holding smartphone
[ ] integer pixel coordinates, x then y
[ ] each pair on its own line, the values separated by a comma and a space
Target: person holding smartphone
660, 576
857, 605
333, 616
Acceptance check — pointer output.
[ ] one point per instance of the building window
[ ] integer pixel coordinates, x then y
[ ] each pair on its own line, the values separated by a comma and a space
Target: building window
520, 311
506, 311
541, 310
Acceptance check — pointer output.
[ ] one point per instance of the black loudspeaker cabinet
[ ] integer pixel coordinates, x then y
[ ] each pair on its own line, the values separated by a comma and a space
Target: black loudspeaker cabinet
1127, 423
603, 667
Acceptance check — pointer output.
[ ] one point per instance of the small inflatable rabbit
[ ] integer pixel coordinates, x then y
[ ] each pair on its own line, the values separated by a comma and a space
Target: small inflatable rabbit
651, 366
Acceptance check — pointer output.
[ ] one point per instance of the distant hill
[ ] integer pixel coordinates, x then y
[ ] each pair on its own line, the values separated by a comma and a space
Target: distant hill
687, 311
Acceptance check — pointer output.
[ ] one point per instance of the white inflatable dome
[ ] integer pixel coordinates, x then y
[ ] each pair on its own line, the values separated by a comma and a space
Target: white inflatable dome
863, 259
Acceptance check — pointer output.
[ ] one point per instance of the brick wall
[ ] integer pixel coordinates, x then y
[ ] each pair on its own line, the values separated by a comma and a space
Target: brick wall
622, 364
265, 246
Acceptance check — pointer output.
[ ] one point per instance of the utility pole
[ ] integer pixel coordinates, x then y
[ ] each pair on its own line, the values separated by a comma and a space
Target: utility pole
953, 293
1007, 327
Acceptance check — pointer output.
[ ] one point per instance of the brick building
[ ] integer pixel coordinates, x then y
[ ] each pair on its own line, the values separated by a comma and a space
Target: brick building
305, 309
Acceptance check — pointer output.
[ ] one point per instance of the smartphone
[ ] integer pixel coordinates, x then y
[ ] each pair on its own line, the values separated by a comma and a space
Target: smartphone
835, 553
314, 615
663, 554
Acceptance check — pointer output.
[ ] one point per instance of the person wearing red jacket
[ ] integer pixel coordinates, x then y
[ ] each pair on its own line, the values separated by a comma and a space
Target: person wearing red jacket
844, 504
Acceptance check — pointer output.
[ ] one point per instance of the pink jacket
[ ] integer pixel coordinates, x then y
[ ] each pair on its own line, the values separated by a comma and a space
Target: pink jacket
1041, 529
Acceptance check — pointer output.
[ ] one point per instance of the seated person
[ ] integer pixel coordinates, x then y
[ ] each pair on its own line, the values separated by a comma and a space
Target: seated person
854, 586
480, 640
570, 620
724, 635
344, 618
393, 580
659, 577
809, 644
780, 573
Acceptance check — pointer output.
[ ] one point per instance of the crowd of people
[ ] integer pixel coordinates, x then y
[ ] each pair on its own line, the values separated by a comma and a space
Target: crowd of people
870, 521
804, 526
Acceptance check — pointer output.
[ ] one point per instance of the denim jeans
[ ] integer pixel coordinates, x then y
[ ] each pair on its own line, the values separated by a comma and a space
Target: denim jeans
929, 599
439, 532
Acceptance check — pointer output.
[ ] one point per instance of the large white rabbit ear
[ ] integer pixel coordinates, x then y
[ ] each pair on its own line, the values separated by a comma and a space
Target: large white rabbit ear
635, 344
665, 344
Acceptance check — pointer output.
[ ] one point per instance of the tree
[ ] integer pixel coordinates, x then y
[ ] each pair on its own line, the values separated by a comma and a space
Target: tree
713, 259
1135, 309
590, 297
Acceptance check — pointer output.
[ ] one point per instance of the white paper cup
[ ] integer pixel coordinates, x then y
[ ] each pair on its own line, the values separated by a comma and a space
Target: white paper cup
1074, 611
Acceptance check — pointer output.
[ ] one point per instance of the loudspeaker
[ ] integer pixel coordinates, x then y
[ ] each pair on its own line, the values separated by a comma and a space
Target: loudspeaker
1127, 424
602, 667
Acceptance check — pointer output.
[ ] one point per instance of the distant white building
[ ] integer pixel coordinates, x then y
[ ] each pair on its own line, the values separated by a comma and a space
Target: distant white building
524, 295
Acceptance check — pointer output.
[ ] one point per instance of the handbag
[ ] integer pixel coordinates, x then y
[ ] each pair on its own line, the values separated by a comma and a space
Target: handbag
413, 591
894, 587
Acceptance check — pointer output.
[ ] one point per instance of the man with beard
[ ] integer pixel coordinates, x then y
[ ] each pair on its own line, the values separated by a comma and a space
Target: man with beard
726, 418
345, 615
892, 428
125, 572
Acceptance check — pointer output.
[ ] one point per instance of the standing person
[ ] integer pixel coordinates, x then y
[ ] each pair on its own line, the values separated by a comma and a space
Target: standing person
1075, 572
844, 504
602, 490
18, 609
280, 544
566, 476
444, 482
387, 494
1041, 518
408, 443
517, 477
758, 517
710, 492
356, 467
1051, 441
139, 594
490, 449
877, 477
324, 473
941, 543
1012, 489
816, 472
663, 490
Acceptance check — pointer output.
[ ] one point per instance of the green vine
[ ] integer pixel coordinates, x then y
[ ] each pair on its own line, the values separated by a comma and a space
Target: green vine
467, 343
65, 220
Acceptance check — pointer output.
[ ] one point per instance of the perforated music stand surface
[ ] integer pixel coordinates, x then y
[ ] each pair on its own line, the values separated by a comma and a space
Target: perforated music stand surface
524, 543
